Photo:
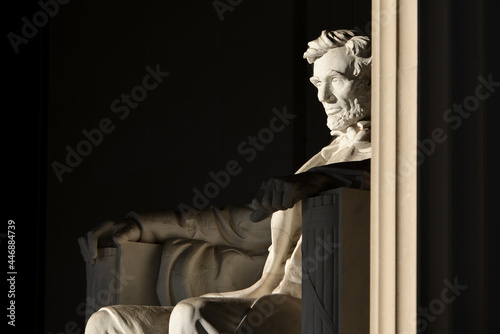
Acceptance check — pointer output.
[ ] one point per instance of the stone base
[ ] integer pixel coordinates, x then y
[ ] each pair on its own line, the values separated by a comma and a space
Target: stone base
336, 262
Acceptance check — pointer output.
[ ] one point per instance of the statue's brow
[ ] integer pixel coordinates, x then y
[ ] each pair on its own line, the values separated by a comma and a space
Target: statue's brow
330, 73
334, 72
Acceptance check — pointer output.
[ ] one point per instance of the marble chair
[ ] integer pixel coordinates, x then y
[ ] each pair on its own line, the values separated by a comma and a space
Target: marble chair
335, 274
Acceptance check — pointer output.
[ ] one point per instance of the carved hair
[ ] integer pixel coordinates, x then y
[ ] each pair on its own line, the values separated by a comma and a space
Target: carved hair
357, 45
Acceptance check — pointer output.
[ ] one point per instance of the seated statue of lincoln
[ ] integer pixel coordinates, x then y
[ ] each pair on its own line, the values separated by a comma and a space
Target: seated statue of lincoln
210, 275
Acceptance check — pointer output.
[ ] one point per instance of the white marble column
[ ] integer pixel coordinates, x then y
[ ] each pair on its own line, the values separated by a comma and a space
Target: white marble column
393, 288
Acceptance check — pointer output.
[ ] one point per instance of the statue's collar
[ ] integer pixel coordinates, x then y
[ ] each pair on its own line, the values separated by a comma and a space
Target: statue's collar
349, 145
351, 131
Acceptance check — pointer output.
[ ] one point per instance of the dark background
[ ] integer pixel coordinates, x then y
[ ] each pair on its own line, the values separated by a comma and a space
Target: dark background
459, 182
225, 79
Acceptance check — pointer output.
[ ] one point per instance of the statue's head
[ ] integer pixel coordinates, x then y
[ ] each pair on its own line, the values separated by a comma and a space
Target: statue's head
342, 74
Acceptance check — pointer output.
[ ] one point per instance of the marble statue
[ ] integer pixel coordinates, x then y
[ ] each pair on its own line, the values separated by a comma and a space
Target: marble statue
269, 227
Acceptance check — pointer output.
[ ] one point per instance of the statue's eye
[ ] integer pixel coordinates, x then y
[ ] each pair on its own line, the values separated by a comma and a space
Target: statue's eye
336, 81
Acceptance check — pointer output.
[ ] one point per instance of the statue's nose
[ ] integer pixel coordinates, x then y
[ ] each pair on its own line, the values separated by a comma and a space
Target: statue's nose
325, 94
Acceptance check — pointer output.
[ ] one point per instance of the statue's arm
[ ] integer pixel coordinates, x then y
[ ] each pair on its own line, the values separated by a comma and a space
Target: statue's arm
229, 226
351, 174
281, 193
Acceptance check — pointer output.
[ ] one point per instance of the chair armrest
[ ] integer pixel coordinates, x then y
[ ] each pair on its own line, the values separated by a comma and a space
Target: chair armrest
124, 275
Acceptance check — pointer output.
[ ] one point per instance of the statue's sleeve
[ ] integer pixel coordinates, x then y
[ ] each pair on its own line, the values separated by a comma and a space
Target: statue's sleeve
229, 226
351, 174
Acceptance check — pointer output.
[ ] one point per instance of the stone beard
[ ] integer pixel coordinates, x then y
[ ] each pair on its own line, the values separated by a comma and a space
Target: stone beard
357, 111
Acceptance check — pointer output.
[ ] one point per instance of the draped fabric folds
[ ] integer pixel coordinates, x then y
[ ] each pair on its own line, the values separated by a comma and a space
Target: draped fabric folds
221, 250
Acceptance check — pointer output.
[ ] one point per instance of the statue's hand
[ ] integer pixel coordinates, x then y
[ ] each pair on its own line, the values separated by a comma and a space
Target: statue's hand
280, 193
107, 234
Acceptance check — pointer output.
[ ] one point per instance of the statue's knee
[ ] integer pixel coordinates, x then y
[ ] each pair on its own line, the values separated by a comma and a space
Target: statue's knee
100, 322
184, 310
185, 315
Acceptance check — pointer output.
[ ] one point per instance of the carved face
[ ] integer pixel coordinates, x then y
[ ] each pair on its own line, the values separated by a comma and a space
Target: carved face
345, 97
